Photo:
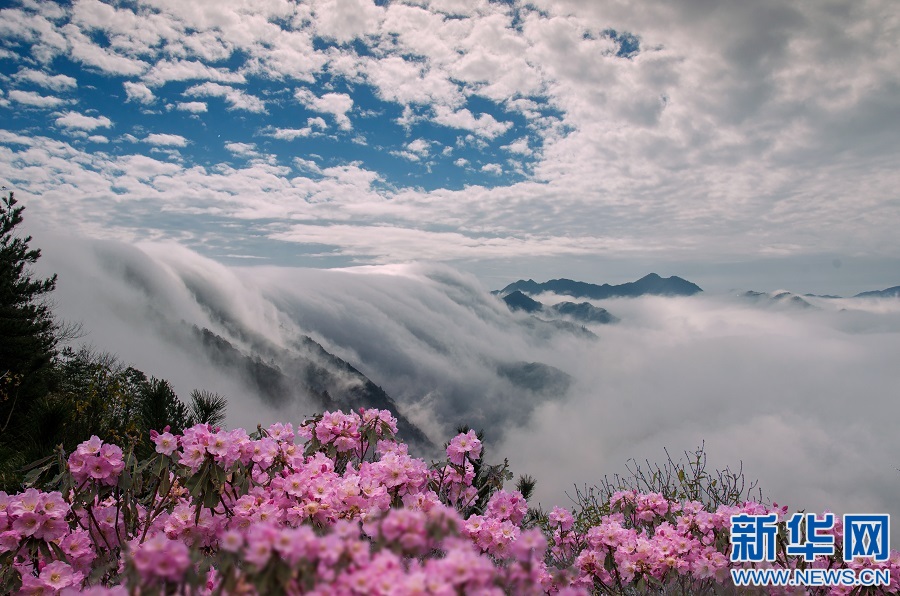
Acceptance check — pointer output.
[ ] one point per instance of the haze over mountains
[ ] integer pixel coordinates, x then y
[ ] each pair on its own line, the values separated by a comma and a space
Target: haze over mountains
886, 293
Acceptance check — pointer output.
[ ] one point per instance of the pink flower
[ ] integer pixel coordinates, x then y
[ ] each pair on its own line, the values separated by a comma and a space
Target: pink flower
166, 443
9, 541
98, 461
561, 518
231, 540
34, 585
159, 557
461, 445
59, 575
507, 505
260, 541
28, 524
281, 432
90, 447
26, 502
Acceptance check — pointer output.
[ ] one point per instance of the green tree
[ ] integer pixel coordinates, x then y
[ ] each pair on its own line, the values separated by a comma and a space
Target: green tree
28, 331
207, 408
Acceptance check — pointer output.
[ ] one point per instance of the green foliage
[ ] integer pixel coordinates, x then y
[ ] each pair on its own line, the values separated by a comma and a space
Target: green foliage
94, 394
206, 407
28, 332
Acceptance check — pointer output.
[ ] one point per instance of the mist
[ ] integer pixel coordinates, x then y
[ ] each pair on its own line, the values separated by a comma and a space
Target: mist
804, 398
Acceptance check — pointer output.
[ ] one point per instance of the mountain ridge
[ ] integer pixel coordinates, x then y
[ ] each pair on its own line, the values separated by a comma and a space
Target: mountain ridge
331, 382
583, 312
893, 292
651, 284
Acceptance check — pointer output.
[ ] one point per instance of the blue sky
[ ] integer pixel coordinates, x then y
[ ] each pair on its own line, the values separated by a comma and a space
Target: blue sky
754, 144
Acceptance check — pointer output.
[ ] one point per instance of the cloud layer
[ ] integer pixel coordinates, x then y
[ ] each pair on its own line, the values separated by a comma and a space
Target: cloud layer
465, 131
804, 397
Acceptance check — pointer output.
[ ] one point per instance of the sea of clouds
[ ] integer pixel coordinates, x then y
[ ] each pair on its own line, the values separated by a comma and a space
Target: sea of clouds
804, 398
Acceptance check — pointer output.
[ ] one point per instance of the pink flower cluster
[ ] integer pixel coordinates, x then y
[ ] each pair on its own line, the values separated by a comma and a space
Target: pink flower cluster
498, 529
161, 558
463, 445
96, 461
651, 538
347, 511
53, 577
31, 514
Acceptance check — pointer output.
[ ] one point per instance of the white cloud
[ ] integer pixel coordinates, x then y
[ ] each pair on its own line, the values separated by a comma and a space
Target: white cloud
37, 29
195, 107
407, 155
46, 80
419, 146
777, 139
142, 167
183, 70
411, 245
519, 146
138, 92
492, 168
415, 150
98, 139
345, 20
288, 134
243, 149
83, 122
238, 100
771, 392
166, 140
483, 125
406, 82
83, 49
30, 98
336, 104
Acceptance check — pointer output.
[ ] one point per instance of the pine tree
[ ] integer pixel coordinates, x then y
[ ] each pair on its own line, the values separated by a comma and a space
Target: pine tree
28, 332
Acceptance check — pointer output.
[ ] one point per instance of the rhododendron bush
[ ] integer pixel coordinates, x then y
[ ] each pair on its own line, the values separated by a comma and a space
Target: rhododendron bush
339, 506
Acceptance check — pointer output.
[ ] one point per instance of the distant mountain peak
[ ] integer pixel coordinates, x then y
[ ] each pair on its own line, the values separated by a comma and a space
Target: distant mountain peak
519, 301
650, 284
583, 313
778, 297
886, 293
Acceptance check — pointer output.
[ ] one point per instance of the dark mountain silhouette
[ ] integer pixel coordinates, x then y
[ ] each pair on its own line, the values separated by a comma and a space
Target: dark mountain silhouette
519, 301
584, 312
308, 371
778, 298
536, 377
651, 284
887, 293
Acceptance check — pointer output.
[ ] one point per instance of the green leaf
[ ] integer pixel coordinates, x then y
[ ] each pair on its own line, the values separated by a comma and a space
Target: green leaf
165, 484
38, 463
58, 552
125, 479
211, 498
31, 477
102, 566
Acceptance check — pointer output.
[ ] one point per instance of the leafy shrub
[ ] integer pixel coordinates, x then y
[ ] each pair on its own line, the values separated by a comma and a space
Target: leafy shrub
346, 510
